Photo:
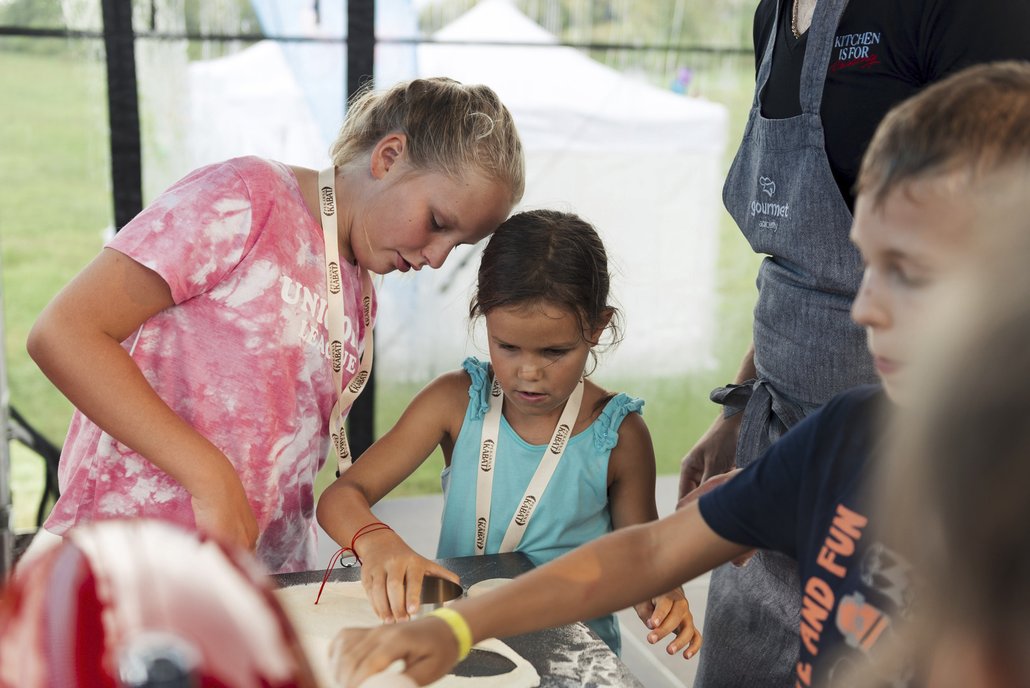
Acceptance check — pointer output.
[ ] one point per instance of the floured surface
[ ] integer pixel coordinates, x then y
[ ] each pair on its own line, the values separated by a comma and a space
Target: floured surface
344, 605
579, 658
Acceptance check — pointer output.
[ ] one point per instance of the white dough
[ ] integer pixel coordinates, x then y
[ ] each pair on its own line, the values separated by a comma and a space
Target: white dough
485, 586
385, 680
344, 605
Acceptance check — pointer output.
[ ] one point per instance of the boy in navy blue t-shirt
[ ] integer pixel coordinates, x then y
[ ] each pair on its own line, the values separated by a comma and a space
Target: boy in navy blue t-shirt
934, 161
932, 165
851, 586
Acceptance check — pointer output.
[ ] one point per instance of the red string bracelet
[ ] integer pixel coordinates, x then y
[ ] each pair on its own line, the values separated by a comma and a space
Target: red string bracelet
343, 551
364, 530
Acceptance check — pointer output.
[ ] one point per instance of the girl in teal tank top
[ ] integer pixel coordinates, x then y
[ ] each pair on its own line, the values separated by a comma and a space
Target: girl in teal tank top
573, 510
539, 459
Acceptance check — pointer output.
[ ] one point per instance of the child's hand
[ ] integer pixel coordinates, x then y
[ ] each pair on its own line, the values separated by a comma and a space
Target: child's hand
427, 647
392, 574
671, 613
227, 517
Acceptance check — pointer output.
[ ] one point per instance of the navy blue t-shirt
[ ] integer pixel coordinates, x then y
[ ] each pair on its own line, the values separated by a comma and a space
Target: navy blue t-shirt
804, 497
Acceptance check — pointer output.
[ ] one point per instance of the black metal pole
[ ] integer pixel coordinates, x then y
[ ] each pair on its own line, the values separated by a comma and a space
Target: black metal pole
6, 495
123, 110
361, 42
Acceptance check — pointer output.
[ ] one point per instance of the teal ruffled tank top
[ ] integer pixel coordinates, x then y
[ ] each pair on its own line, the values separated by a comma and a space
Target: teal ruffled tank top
573, 509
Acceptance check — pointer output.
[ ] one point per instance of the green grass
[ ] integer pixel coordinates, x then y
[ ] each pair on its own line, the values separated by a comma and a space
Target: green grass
55, 201
54, 204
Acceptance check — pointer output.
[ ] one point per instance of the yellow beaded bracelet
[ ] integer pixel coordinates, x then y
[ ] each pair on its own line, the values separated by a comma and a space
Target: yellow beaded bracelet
460, 628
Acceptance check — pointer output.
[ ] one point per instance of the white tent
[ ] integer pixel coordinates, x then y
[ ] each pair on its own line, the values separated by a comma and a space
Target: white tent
249, 103
641, 163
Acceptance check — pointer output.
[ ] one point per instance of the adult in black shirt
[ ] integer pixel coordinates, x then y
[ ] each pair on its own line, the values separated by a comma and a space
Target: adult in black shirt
884, 51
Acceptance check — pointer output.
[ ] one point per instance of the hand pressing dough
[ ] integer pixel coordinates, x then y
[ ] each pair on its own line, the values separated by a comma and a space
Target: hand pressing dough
344, 605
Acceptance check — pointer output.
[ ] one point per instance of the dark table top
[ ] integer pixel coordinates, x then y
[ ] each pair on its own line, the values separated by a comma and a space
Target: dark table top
565, 656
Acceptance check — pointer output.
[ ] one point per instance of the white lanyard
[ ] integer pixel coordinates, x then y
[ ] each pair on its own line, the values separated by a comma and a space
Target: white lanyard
334, 320
544, 472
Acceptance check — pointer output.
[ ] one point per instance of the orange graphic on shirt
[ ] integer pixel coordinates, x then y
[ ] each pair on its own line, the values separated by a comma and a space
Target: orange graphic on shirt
859, 622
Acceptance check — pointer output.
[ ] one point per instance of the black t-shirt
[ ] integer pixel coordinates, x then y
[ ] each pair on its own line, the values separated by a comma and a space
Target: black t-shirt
804, 497
884, 51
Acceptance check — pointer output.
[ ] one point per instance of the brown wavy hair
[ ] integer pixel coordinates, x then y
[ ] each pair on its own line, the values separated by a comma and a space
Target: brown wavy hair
547, 256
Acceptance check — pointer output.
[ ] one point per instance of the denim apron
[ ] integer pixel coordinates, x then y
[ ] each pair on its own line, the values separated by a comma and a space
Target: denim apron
782, 194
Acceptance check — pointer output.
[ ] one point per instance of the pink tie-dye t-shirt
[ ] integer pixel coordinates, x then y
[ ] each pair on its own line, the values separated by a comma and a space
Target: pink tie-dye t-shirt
241, 356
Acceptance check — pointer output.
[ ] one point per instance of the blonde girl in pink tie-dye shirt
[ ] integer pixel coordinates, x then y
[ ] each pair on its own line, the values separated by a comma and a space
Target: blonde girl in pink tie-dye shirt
194, 346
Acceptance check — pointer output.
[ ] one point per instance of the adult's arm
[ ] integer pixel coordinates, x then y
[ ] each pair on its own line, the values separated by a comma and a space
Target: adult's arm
716, 451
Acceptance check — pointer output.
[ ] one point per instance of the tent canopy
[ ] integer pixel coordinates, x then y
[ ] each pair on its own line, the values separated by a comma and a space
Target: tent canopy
562, 99
642, 164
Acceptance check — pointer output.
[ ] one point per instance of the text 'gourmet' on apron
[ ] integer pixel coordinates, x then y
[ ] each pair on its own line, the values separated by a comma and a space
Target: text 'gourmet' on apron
782, 194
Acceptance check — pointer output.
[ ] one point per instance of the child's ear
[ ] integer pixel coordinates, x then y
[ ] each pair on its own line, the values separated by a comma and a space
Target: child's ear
602, 324
386, 153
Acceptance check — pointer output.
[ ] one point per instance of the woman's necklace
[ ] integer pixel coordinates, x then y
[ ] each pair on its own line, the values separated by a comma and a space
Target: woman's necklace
794, 21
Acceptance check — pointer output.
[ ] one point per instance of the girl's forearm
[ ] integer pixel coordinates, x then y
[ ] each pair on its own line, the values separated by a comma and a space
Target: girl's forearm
342, 510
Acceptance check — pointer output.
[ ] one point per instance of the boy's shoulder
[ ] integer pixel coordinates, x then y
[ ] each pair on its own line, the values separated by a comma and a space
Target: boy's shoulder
842, 430
845, 433
864, 399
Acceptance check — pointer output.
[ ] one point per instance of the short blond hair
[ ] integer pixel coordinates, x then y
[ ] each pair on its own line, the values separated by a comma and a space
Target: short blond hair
975, 122
450, 127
